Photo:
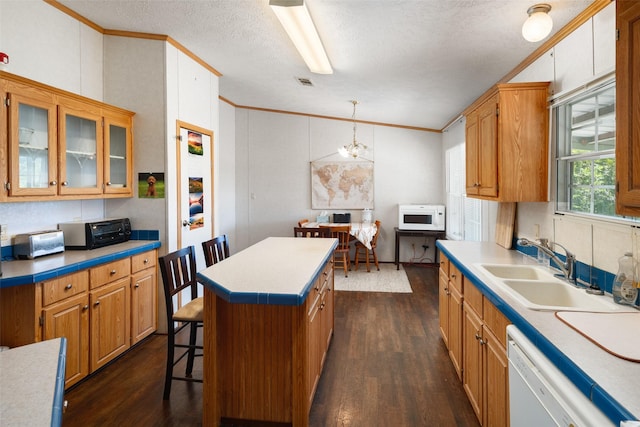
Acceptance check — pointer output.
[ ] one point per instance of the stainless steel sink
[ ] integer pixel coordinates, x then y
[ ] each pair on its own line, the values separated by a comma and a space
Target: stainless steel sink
538, 289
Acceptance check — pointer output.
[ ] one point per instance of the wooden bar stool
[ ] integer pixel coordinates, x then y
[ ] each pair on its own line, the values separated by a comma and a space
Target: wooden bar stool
178, 270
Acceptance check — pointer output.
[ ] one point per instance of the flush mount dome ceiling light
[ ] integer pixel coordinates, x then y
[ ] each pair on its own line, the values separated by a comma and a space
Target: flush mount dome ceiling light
539, 24
294, 17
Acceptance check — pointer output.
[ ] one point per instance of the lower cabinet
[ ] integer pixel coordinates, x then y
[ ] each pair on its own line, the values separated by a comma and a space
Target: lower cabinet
110, 322
70, 319
101, 311
474, 331
320, 310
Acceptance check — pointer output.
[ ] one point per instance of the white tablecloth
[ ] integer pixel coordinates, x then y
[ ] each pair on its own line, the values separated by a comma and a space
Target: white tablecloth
362, 231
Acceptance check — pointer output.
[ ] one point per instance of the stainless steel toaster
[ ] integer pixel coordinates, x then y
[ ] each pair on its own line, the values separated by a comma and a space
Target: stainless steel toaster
32, 245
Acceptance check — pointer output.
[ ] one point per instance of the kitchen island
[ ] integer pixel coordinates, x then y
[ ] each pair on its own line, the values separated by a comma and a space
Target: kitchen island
610, 382
268, 322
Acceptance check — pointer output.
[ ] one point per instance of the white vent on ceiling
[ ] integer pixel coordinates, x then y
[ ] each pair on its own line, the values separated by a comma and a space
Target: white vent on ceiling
304, 81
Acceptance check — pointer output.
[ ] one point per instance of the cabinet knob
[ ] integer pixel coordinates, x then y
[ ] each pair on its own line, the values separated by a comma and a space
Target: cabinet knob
54, 182
69, 286
65, 183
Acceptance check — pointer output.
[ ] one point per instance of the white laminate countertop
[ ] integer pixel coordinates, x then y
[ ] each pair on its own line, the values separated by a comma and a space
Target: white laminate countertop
276, 270
617, 377
32, 384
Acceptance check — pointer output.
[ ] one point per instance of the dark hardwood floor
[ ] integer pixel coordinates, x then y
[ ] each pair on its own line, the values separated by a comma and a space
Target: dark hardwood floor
387, 366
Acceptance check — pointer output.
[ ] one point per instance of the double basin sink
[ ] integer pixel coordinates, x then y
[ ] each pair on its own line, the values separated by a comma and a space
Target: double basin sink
537, 288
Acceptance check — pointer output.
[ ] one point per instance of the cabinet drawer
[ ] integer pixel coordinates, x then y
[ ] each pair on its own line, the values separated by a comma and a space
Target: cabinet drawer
495, 321
106, 273
64, 287
456, 277
444, 264
473, 298
143, 261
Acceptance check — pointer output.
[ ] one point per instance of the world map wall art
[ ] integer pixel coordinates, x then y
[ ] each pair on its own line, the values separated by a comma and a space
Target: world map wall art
342, 185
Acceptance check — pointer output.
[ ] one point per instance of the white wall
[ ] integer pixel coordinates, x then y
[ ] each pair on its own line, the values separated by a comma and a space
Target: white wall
48, 46
585, 55
150, 77
273, 181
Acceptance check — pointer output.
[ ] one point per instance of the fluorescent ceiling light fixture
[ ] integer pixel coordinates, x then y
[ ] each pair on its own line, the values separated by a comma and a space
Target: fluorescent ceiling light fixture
294, 17
539, 24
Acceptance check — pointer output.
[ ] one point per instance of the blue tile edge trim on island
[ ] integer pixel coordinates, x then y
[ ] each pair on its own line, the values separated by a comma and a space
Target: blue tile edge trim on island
265, 297
58, 395
609, 406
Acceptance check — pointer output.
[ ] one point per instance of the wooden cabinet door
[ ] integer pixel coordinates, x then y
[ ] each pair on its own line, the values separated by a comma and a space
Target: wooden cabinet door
110, 322
144, 313
472, 154
443, 307
32, 157
627, 108
327, 313
472, 377
488, 148
70, 319
314, 352
81, 150
455, 329
118, 150
496, 382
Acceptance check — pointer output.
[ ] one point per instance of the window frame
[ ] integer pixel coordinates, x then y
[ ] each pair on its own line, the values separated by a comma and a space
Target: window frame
562, 163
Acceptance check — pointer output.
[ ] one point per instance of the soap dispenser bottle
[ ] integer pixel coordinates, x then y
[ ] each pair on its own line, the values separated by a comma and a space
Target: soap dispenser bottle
624, 289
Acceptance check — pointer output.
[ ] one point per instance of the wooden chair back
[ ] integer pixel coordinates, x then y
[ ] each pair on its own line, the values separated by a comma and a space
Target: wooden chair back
302, 222
374, 241
311, 232
215, 250
341, 232
178, 271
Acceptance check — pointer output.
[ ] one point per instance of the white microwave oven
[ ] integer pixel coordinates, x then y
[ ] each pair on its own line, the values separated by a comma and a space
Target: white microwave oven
421, 217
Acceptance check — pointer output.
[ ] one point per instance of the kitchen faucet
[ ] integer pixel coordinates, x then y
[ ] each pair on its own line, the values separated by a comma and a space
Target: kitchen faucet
568, 268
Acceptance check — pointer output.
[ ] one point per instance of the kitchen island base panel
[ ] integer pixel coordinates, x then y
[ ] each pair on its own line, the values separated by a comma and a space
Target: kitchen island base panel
256, 367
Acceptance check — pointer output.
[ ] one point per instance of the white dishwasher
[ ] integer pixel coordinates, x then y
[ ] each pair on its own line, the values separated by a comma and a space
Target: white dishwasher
540, 395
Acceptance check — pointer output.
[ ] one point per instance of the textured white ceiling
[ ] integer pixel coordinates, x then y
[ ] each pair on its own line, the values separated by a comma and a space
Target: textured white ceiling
408, 62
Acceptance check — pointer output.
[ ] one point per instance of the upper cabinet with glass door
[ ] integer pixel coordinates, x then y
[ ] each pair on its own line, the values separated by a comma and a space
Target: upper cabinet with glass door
118, 150
60, 145
32, 158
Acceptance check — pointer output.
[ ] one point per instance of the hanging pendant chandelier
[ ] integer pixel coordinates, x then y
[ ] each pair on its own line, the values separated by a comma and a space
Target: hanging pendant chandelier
354, 149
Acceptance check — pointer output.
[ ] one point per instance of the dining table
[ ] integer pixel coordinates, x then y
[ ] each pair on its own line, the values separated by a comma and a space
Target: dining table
360, 231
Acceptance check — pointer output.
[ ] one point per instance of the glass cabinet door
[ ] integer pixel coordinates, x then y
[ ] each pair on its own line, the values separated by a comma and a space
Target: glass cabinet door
117, 148
81, 151
32, 146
